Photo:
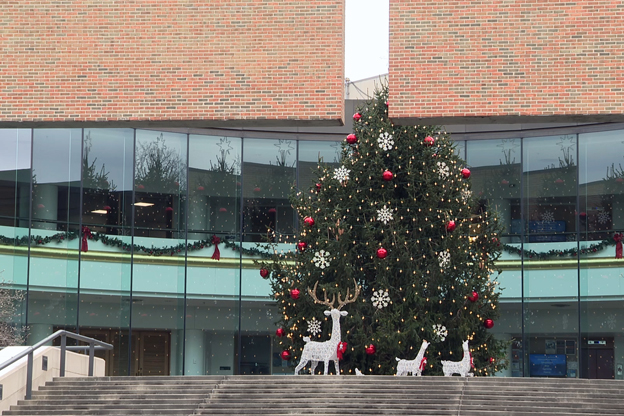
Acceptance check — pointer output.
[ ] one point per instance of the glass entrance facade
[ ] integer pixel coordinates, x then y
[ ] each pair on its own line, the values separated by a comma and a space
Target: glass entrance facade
145, 239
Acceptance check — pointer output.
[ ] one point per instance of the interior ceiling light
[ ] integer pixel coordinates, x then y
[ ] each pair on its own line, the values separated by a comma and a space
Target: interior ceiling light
99, 211
143, 204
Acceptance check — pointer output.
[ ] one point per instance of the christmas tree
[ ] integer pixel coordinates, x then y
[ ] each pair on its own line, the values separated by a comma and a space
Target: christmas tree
398, 220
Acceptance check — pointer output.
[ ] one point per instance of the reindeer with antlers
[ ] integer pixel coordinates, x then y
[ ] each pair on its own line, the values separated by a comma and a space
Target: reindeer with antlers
327, 351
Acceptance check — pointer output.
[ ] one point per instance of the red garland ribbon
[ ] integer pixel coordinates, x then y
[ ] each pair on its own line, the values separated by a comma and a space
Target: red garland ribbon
217, 254
618, 245
342, 348
471, 360
423, 362
86, 235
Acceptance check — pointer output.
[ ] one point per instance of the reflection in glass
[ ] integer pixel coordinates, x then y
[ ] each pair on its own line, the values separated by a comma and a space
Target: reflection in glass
551, 293
601, 201
107, 166
14, 212
212, 302
269, 172
311, 153
157, 302
56, 174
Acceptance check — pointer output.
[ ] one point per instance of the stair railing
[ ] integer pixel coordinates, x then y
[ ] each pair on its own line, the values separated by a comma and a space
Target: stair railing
93, 345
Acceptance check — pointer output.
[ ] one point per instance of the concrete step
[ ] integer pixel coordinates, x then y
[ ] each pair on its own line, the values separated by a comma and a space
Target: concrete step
323, 396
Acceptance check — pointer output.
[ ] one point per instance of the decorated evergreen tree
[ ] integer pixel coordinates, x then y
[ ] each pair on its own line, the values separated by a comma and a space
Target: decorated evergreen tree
398, 219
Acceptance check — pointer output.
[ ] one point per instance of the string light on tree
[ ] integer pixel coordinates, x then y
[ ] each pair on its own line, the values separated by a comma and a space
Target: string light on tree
397, 213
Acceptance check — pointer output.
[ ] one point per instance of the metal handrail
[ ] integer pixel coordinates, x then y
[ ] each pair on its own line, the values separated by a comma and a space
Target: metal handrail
63, 335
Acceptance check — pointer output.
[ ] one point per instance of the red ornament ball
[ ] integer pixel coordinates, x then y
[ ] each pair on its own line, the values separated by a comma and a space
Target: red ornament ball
504, 182
492, 360
473, 297
382, 253
285, 355
141, 186
619, 180
302, 245
107, 207
309, 221
583, 215
272, 211
294, 293
370, 350
264, 272
465, 173
429, 141
257, 189
352, 139
488, 323
200, 188
280, 332
450, 226
169, 209
223, 209
357, 116
559, 181
40, 206
387, 175
318, 187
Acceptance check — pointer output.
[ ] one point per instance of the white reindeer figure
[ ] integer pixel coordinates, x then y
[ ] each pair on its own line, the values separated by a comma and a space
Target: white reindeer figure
327, 351
415, 366
459, 367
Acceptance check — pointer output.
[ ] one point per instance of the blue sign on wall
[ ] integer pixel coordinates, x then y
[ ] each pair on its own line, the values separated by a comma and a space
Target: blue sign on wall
547, 365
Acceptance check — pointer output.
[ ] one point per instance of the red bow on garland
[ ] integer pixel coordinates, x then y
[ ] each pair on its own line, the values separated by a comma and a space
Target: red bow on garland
342, 348
217, 254
423, 362
618, 245
86, 234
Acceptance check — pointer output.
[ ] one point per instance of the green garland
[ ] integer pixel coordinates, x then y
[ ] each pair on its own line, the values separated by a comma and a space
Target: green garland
557, 253
36, 240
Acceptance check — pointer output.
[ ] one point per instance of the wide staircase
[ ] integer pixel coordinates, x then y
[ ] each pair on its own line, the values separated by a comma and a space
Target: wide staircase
323, 396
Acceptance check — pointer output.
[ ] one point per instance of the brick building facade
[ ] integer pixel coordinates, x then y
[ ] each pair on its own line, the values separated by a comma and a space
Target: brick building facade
506, 61
172, 63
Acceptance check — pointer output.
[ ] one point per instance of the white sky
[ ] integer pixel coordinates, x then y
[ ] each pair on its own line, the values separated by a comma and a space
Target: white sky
366, 38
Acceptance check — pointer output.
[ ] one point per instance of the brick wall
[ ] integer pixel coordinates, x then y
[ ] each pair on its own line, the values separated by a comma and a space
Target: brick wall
172, 62
506, 60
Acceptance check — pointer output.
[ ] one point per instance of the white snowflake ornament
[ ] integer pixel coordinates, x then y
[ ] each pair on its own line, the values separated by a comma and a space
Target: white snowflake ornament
443, 170
341, 174
466, 194
603, 217
314, 326
444, 258
385, 141
321, 259
548, 216
440, 331
384, 215
380, 299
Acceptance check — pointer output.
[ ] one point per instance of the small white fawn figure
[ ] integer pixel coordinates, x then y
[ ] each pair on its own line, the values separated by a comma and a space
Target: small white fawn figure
415, 366
327, 351
459, 367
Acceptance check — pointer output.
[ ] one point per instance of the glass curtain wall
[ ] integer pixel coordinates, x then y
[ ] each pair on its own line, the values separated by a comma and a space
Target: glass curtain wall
15, 164
124, 227
213, 303
601, 218
550, 286
269, 172
159, 284
496, 168
105, 295
54, 276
